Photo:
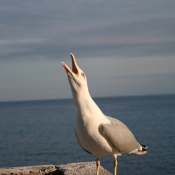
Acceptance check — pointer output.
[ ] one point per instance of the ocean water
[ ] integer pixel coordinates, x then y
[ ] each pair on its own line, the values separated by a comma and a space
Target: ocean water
42, 132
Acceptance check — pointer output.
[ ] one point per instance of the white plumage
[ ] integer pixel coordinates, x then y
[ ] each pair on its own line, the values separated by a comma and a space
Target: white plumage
96, 133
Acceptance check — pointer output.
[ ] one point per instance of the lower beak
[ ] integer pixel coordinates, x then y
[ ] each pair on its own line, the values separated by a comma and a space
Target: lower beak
66, 67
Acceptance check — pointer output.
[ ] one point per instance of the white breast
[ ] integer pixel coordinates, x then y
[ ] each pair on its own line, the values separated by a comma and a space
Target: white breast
89, 136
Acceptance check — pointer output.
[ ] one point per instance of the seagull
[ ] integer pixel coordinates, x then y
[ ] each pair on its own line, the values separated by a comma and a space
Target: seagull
97, 133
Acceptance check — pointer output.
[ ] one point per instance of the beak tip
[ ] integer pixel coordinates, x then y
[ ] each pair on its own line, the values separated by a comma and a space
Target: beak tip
72, 55
63, 64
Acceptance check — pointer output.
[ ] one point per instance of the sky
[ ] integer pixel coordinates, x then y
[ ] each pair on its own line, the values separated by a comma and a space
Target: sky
124, 47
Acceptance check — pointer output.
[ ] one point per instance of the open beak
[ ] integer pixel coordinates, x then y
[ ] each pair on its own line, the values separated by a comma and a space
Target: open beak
74, 66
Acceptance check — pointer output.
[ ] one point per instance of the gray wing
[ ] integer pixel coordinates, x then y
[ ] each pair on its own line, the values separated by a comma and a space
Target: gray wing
119, 136
80, 142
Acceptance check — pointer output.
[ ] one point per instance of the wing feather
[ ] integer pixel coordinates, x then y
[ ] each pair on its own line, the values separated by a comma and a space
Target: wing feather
119, 136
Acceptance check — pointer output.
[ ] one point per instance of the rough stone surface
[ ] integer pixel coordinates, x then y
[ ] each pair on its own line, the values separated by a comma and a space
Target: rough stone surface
82, 168
28, 170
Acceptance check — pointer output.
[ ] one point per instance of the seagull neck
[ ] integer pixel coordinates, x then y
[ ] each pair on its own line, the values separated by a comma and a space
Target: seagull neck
85, 104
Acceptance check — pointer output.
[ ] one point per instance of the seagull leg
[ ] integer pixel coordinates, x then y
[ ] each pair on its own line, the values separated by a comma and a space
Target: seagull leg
98, 166
115, 165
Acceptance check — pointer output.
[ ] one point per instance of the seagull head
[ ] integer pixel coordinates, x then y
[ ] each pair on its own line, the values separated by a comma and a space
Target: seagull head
76, 76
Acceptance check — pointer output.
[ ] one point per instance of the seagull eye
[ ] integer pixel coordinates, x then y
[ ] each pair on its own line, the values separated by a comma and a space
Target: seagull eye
83, 74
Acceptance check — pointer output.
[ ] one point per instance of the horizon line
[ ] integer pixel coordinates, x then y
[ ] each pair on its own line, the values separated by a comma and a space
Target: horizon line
70, 98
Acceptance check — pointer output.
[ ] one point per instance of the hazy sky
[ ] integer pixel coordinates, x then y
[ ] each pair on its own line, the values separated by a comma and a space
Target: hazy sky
124, 47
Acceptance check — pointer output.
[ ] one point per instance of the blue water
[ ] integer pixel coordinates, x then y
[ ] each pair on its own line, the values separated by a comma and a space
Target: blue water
42, 132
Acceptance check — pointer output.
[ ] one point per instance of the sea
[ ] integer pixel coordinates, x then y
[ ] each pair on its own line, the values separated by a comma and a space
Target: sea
42, 132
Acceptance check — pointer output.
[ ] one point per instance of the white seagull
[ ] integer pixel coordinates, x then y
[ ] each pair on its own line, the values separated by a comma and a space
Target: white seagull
97, 133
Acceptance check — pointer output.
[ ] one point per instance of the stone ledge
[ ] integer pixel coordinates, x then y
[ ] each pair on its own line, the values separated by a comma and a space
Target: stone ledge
26, 170
81, 168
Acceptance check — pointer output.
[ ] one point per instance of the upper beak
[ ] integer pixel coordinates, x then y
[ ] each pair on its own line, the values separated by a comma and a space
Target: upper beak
74, 66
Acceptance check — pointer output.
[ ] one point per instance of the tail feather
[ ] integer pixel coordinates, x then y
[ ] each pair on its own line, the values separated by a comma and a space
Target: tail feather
143, 150
144, 147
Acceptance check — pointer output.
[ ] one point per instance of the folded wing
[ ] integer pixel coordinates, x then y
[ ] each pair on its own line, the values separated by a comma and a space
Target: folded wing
120, 137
